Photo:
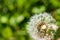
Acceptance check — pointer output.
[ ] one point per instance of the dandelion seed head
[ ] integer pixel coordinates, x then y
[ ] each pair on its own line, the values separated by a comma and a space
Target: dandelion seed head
40, 25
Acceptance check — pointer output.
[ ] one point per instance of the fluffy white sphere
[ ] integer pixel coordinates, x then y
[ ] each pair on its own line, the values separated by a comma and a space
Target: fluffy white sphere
40, 25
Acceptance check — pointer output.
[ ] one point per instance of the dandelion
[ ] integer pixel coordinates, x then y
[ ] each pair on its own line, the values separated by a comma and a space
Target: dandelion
41, 27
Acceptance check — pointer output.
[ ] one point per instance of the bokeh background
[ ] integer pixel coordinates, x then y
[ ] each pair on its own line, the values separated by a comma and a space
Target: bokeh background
14, 15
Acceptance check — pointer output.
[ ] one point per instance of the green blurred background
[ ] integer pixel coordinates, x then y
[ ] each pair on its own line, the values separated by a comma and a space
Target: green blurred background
14, 15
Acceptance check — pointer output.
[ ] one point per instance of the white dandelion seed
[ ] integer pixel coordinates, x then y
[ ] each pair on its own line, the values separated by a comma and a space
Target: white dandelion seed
39, 27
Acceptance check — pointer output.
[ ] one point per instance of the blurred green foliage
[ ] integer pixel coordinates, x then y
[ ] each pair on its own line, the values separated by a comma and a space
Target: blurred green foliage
14, 15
